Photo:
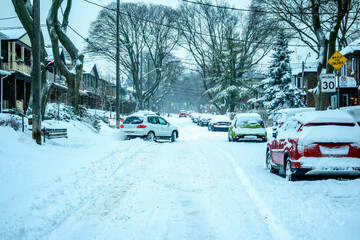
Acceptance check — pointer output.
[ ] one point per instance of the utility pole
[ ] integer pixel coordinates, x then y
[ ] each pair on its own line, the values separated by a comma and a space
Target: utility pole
36, 75
118, 86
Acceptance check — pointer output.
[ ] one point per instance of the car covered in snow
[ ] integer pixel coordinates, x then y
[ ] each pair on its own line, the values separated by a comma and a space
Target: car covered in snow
315, 143
195, 117
353, 111
219, 123
148, 126
204, 119
282, 115
247, 127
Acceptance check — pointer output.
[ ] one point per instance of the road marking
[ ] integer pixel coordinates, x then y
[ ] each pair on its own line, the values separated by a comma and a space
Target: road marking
277, 230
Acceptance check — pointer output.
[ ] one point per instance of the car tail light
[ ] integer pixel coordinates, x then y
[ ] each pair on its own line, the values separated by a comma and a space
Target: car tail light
262, 124
214, 124
121, 126
141, 126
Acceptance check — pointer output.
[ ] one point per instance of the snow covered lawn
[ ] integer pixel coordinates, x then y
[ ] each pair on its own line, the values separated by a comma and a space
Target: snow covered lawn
96, 186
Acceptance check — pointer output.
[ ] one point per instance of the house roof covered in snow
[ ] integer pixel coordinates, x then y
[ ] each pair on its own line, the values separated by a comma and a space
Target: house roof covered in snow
12, 33
309, 67
351, 48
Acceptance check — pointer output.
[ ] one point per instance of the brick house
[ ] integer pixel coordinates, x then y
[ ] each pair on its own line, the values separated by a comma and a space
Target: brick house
350, 75
309, 82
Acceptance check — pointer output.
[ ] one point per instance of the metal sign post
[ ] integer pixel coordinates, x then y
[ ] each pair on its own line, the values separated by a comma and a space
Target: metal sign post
337, 60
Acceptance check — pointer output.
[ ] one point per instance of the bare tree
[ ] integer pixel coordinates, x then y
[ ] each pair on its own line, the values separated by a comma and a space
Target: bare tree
57, 32
24, 10
144, 30
317, 24
160, 38
226, 45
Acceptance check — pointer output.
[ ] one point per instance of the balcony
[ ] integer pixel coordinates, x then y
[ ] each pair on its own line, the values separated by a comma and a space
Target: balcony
56, 79
17, 66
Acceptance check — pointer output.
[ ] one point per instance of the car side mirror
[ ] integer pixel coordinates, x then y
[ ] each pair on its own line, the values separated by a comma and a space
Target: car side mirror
275, 132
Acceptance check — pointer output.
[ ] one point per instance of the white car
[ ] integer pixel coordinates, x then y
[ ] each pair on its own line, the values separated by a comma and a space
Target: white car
151, 127
283, 114
219, 123
204, 119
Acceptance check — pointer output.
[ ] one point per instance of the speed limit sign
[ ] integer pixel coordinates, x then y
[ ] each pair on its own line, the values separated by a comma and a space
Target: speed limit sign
328, 83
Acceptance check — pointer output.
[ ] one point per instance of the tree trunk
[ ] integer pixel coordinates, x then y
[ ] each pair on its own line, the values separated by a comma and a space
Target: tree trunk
36, 75
57, 33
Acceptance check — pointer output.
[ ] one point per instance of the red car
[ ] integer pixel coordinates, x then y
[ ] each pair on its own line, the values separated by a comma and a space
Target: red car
182, 113
315, 143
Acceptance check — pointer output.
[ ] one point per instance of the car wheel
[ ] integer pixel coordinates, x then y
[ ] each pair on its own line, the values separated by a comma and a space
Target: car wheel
289, 173
173, 137
268, 163
150, 137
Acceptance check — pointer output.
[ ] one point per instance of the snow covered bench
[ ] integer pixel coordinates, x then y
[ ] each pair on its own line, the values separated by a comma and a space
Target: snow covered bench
50, 133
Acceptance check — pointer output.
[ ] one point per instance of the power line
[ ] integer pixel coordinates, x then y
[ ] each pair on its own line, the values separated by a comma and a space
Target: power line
7, 18
252, 10
184, 30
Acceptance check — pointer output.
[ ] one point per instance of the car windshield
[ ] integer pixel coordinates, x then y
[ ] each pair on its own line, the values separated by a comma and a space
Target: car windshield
248, 123
133, 120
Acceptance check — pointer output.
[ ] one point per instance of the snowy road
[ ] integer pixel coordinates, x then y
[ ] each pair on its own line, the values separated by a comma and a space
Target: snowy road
200, 187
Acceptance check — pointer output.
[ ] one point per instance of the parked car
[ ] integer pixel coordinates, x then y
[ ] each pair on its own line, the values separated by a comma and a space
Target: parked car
204, 119
182, 113
281, 115
150, 127
315, 143
195, 117
353, 111
219, 123
247, 127
189, 113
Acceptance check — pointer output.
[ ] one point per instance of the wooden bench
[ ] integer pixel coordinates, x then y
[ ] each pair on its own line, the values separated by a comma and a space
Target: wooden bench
51, 133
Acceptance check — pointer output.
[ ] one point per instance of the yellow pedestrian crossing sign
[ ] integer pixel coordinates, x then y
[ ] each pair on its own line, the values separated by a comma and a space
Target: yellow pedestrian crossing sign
337, 60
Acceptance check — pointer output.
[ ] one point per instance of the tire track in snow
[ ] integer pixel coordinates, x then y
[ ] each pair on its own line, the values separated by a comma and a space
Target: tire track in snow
71, 217
277, 230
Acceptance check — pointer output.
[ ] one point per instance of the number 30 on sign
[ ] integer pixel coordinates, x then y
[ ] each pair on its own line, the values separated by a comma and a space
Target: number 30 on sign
328, 83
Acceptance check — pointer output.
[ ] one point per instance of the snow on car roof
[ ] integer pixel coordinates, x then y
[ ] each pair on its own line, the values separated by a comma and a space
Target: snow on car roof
295, 110
143, 113
247, 116
324, 116
221, 118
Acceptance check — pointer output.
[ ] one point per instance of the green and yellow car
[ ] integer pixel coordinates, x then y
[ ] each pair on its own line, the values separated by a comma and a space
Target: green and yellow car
247, 127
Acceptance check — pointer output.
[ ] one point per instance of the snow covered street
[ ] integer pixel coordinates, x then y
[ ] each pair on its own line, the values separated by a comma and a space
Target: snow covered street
95, 186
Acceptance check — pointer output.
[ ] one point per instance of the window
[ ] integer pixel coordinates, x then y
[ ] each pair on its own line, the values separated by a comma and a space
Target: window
133, 120
162, 121
152, 120
344, 69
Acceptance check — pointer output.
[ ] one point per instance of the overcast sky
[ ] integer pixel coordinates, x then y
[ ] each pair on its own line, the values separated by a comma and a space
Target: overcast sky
83, 13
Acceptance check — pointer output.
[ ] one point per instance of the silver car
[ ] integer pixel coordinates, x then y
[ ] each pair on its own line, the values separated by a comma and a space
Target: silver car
150, 127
